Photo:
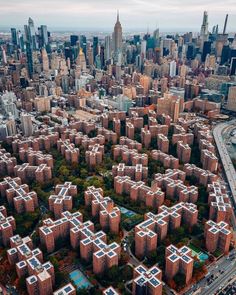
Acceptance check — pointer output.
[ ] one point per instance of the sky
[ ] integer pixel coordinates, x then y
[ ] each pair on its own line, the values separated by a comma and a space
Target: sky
168, 15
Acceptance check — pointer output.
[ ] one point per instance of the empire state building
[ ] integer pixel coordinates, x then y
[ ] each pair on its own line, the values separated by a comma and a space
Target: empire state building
117, 35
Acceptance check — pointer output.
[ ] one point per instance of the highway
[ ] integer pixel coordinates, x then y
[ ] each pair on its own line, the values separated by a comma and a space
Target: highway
223, 264
225, 158
222, 279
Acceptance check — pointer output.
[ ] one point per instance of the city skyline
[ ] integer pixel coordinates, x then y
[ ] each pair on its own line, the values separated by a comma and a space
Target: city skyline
117, 147
76, 15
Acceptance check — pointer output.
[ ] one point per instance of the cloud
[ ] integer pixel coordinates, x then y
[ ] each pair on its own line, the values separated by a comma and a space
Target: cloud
171, 14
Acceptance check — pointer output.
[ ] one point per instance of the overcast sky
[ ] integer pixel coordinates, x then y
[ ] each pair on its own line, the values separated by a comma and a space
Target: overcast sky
169, 15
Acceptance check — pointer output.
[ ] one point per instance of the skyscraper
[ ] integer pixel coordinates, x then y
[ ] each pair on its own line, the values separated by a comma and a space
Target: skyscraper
204, 27
20, 40
206, 50
29, 59
4, 56
172, 68
13, 36
26, 124
44, 35
45, 60
32, 34
117, 35
81, 61
107, 48
225, 25
95, 47
83, 43
233, 66
204, 30
156, 36
73, 39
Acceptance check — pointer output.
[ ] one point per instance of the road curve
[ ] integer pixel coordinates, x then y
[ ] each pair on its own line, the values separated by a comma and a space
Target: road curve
225, 158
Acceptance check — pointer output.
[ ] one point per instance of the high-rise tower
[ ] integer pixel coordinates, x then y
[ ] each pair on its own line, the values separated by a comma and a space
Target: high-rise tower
29, 59
81, 61
45, 60
107, 48
32, 34
225, 25
204, 27
117, 35
204, 31
13, 36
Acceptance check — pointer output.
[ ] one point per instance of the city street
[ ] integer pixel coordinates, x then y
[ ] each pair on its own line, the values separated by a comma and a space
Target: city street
225, 158
222, 270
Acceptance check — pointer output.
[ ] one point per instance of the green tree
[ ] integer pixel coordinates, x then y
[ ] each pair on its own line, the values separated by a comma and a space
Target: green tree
179, 279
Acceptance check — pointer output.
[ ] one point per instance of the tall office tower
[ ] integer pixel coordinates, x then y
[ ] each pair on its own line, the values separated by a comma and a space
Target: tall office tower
95, 47
234, 43
20, 40
204, 27
45, 60
90, 55
44, 35
29, 59
68, 53
117, 35
190, 51
98, 64
221, 40
206, 50
11, 127
231, 104
225, 25
233, 66
143, 48
172, 68
136, 39
107, 48
102, 56
225, 56
81, 61
8, 104
32, 34
13, 36
204, 31
3, 131
215, 31
26, 124
65, 83
73, 39
83, 44
183, 70
4, 56
27, 33
156, 36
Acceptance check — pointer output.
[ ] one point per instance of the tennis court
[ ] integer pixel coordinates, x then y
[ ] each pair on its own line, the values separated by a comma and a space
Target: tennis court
79, 279
127, 212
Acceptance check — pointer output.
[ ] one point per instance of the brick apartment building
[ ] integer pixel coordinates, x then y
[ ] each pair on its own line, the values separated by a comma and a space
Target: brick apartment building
62, 200
155, 227
18, 195
179, 260
104, 207
7, 227
147, 281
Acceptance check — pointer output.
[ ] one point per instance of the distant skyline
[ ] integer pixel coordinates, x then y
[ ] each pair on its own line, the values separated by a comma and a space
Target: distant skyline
168, 15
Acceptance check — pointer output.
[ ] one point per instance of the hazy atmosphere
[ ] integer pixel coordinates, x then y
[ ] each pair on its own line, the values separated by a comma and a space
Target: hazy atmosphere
134, 14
